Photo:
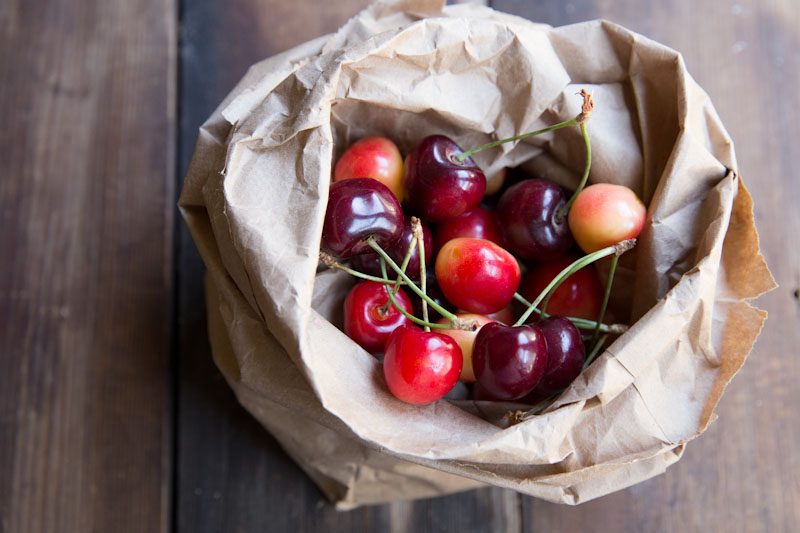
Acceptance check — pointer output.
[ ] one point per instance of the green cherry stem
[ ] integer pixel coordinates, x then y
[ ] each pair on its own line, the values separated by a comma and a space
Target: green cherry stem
403, 266
330, 262
607, 294
581, 323
419, 238
427, 325
595, 351
565, 208
619, 248
455, 322
586, 112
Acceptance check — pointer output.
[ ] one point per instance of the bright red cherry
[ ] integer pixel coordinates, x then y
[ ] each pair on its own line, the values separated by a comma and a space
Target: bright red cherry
465, 340
579, 296
420, 367
509, 361
528, 212
438, 186
479, 223
367, 320
477, 275
360, 208
604, 214
373, 157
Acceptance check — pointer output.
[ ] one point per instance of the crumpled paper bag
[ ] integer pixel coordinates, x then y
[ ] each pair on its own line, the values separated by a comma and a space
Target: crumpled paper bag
254, 199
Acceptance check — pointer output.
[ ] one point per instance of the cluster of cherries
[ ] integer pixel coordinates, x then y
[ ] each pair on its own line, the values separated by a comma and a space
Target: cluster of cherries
478, 252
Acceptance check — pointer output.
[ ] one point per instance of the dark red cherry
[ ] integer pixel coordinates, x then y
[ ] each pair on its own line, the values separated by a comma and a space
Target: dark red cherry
528, 213
509, 361
369, 263
360, 208
565, 354
437, 185
367, 320
479, 223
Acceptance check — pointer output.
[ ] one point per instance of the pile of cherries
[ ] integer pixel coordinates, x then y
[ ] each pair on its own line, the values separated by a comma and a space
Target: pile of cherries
476, 252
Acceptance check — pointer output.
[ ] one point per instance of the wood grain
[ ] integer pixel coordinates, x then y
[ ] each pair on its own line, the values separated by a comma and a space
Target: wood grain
87, 196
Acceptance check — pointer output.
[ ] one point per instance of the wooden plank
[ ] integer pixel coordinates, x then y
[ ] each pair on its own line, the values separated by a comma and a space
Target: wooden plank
742, 474
85, 271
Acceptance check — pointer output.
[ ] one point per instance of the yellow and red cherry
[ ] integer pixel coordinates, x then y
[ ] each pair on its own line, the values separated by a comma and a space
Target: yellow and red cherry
358, 209
604, 214
509, 361
579, 296
476, 275
438, 185
532, 226
478, 223
420, 367
368, 320
465, 340
373, 157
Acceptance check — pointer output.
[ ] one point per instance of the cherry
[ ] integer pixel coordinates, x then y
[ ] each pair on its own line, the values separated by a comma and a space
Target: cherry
373, 157
565, 355
532, 227
479, 223
579, 296
420, 366
438, 185
369, 263
367, 318
360, 208
477, 275
604, 214
465, 340
509, 361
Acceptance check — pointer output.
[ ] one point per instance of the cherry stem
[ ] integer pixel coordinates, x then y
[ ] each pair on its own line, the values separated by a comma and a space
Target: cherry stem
419, 238
565, 208
399, 280
392, 301
607, 294
330, 262
583, 116
411, 285
619, 248
595, 351
581, 323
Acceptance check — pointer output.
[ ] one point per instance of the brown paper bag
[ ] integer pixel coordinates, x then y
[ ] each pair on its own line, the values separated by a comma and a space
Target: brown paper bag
254, 199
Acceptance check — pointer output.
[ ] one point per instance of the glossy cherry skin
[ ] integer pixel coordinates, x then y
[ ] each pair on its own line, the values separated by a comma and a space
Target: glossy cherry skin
373, 157
437, 185
357, 209
604, 214
369, 263
466, 340
565, 354
509, 361
420, 367
528, 213
477, 275
579, 296
364, 320
479, 223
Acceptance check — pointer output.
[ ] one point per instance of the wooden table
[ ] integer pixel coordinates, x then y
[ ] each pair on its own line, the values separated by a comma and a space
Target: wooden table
112, 415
